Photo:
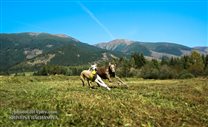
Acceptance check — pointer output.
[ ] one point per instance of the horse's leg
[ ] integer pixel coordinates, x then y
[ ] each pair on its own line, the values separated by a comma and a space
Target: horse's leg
121, 81
82, 79
100, 82
88, 83
108, 77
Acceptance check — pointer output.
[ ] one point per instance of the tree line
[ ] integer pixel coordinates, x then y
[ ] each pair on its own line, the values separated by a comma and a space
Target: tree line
187, 66
60, 70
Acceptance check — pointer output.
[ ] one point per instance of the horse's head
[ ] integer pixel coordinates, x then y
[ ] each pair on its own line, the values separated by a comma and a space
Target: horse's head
112, 69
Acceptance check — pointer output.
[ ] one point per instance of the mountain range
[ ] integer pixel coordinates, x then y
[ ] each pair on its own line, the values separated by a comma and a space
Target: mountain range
153, 50
29, 50
32, 50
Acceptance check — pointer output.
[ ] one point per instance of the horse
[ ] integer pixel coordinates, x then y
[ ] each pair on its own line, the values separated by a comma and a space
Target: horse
107, 72
92, 76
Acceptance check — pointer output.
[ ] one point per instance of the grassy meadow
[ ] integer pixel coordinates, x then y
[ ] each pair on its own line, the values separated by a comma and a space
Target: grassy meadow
145, 103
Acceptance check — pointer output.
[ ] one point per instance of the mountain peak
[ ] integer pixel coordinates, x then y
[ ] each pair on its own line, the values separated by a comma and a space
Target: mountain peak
38, 33
57, 35
61, 35
66, 36
114, 44
121, 41
34, 33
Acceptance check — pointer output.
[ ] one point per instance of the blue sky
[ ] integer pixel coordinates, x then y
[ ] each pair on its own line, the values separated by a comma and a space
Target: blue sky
179, 21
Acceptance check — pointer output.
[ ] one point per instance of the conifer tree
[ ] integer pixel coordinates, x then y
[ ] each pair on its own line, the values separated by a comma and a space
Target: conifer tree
197, 65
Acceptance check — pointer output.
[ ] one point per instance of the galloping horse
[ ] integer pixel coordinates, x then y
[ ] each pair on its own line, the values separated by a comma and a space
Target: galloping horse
107, 72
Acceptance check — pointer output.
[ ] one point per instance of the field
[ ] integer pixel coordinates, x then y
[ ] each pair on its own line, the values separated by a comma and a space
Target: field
63, 101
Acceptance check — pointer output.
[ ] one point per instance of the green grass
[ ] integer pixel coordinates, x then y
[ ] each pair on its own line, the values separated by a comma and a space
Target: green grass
145, 103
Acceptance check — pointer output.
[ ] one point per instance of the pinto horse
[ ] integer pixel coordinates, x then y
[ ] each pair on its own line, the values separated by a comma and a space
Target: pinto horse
107, 72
